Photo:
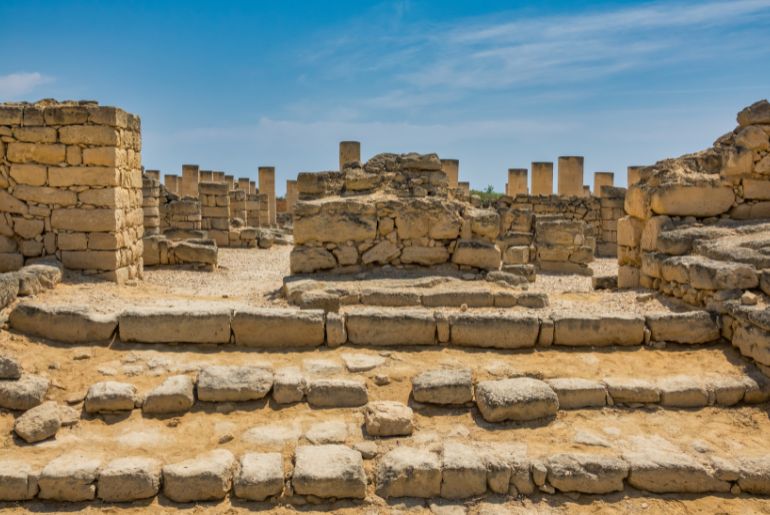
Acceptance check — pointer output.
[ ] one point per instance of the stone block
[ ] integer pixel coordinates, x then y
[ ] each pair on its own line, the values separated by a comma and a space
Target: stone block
129, 479
628, 390
103, 176
274, 327
409, 472
10, 368
38, 423
598, 330
175, 325
221, 383
336, 223
425, 256
477, 254
390, 327
709, 274
18, 480
329, 471
310, 259
47, 154
45, 195
174, 395
464, 471
86, 220
336, 393
496, 330
518, 399
683, 392
336, 334
700, 201
110, 396
288, 385
260, 476
70, 324
754, 475
24, 393
70, 477
664, 470
471, 297
388, 418
443, 386
89, 135
586, 473
206, 477
689, 327
31, 175
516, 255
577, 393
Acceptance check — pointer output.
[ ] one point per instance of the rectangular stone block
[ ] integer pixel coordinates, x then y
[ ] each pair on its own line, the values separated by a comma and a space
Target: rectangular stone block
91, 259
390, 327
83, 176
86, 220
598, 330
496, 330
33, 175
542, 178
175, 325
45, 195
49, 154
273, 327
89, 135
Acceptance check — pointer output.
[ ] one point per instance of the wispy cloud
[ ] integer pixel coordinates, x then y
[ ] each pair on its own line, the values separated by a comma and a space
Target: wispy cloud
15, 85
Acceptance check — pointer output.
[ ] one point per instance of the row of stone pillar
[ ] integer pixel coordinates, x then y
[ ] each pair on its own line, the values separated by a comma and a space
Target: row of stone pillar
570, 178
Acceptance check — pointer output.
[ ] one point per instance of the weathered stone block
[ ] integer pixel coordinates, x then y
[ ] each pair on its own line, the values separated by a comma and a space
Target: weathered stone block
260, 476
388, 418
174, 395
206, 477
329, 471
18, 480
129, 479
110, 396
336, 393
309, 259
273, 327
409, 472
478, 254
443, 386
688, 327
49, 154
70, 477
390, 327
498, 330
71, 324
220, 383
598, 330
702, 201
586, 473
577, 393
519, 399
464, 471
175, 325
629, 390
38, 423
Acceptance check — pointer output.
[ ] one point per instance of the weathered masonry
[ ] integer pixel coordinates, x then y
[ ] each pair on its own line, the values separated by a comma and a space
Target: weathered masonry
70, 187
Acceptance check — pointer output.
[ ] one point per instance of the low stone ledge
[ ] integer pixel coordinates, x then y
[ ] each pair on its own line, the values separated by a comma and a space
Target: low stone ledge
391, 327
70, 324
218, 383
336, 393
175, 325
497, 330
586, 473
690, 327
577, 393
598, 330
271, 327
665, 470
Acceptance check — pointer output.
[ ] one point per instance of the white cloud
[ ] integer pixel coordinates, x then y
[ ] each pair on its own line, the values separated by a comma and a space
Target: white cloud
15, 85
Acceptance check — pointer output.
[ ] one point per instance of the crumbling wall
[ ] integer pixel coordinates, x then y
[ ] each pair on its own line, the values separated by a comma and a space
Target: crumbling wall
71, 187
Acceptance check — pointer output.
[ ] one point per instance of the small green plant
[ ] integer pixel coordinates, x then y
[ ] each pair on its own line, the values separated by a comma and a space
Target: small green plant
488, 196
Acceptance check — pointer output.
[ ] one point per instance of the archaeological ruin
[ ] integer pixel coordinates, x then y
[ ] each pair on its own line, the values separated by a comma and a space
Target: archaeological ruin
382, 338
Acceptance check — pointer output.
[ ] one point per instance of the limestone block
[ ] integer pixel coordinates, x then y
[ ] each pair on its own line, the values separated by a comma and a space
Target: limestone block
586, 473
752, 342
45, 195
18, 480
288, 385
346, 255
337, 222
381, 253
336, 393
736, 162
198, 252
221, 383
275, 327
70, 477
71, 324
104, 156
329, 471
628, 390
27, 228
10, 261
754, 475
32, 175
370, 326
425, 256
687, 327
701, 201
518, 399
497, 330
24, 393
409, 472
336, 334
49, 154
10, 368
110, 396
471, 297
629, 231
485, 223
728, 390
464, 471
309, 259
683, 392
388, 418
443, 386
260, 476
9, 204
516, 255
663, 470
598, 330
577, 393
175, 325
756, 113
129, 479
38, 423
206, 477
755, 189
174, 395
103, 176
709, 274
478, 254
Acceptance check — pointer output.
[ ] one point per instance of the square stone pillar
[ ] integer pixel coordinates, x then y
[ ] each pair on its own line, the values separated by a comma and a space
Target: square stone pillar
517, 182
230, 181
267, 187
291, 195
153, 174
349, 151
570, 182
602, 179
464, 187
634, 174
171, 182
243, 184
206, 176
252, 187
219, 176
542, 178
451, 167
190, 180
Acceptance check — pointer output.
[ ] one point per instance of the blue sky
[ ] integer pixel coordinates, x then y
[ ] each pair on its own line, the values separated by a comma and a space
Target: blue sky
235, 85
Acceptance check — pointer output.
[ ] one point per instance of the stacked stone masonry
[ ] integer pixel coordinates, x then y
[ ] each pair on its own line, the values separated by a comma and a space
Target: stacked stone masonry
71, 187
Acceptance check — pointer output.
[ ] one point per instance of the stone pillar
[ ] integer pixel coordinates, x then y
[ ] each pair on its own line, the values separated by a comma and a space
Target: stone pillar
190, 180
171, 182
602, 179
243, 184
349, 151
570, 182
267, 187
219, 177
151, 204
230, 181
634, 174
206, 176
291, 195
517, 182
542, 178
464, 187
215, 212
252, 187
451, 167
153, 174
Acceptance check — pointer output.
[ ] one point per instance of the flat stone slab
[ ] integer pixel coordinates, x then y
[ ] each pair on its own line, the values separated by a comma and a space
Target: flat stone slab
273, 327
598, 330
586, 473
443, 386
18, 480
328, 471
690, 327
576, 393
361, 362
464, 471
683, 392
260, 476
39, 423
390, 327
217, 383
754, 474
24, 393
663, 470
470, 296
330, 431
629, 390
175, 325
409, 472
496, 330
336, 393
391, 297
519, 399
110, 396
70, 477
174, 395
69, 324
206, 477
388, 418
129, 479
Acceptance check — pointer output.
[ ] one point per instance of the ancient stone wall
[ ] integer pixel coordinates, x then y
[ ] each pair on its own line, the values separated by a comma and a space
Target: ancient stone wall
151, 205
71, 187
